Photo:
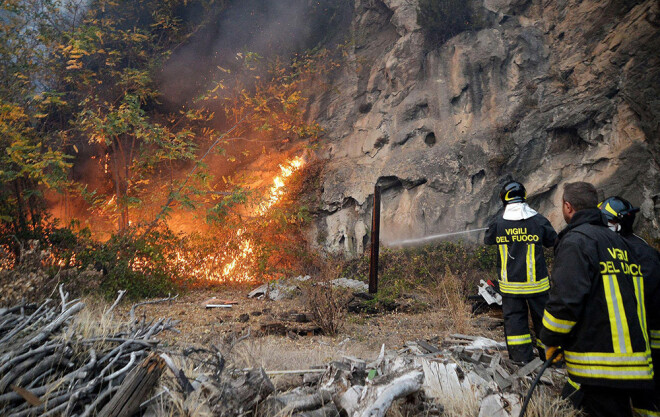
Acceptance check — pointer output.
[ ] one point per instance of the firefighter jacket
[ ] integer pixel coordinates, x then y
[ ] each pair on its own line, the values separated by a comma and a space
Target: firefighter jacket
523, 272
592, 311
649, 260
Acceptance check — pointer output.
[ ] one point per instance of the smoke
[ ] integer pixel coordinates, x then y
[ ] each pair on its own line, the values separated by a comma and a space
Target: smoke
268, 28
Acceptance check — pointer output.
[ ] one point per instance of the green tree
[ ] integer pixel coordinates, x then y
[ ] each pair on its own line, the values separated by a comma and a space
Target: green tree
111, 61
31, 157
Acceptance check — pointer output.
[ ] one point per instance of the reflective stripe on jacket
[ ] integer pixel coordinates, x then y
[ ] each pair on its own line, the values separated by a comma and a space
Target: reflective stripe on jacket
649, 261
593, 310
522, 267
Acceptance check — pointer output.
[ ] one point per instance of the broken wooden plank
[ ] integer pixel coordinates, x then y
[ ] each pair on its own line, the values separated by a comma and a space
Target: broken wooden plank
464, 336
296, 371
429, 347
529, 368
414, 348
501, 382
483, 372
455, 342
497, 358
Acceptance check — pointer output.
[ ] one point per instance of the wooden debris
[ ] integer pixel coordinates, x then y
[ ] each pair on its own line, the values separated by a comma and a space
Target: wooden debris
135, 389
43, 374
379, 396
328, 410
294, 401
529, 368
240, 394
427, 346
297, 371
215, 300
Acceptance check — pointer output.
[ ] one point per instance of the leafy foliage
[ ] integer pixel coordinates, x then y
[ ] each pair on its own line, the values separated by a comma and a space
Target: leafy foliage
30, 159
79, 87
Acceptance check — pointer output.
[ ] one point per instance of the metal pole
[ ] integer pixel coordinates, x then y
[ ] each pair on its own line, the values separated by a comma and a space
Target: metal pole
375, 242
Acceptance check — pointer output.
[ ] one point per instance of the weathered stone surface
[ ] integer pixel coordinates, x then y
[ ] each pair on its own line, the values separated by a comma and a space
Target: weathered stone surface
548, 93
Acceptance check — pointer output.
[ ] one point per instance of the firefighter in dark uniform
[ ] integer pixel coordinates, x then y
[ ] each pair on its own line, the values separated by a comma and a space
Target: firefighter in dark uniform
620, 216
592, 312
520, 234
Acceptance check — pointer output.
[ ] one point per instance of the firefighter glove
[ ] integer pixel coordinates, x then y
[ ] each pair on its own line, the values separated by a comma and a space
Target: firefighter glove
550, 350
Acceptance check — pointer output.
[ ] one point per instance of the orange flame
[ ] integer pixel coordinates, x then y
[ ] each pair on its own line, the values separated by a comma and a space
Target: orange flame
222, 267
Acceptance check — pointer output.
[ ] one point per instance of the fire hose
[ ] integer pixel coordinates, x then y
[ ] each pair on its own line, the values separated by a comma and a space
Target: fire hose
545, 366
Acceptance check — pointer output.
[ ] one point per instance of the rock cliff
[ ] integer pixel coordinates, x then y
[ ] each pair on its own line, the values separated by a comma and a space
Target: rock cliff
548, 92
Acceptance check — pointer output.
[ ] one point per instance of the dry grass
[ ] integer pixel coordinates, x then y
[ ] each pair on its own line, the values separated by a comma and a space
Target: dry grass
92, 321
464, 405
448, 295
453, 297
545, 403
277, 353
193, 405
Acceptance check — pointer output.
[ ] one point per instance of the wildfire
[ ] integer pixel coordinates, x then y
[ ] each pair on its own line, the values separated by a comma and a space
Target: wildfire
225, 266
275, 194
7, 258
277, 190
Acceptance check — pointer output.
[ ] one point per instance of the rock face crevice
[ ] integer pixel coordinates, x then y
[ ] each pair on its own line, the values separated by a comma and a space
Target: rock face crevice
548, 92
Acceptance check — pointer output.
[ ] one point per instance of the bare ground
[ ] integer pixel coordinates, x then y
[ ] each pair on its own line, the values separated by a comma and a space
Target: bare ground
361, 336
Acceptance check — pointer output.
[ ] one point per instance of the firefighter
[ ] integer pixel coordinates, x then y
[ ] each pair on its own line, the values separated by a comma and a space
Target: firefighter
520, 234
592, 311
620, 216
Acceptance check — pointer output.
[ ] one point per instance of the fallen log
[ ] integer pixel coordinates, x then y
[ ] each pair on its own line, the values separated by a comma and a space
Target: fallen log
380, 396
295, 401
241, 393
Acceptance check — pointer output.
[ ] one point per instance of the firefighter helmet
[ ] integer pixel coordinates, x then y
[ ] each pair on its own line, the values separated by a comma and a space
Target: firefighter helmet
619, 210
513, 192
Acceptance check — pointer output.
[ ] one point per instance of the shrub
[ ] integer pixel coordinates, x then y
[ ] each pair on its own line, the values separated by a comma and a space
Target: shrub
327, 303
138, 265
443, 19
405, 270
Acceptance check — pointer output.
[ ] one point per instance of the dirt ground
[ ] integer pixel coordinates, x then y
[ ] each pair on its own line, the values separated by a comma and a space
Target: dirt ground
361, 336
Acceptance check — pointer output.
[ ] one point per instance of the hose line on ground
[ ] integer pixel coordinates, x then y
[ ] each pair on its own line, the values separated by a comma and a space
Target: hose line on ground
545, 366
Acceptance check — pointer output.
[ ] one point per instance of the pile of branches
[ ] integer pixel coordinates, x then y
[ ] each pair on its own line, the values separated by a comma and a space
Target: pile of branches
54, 362
49, 366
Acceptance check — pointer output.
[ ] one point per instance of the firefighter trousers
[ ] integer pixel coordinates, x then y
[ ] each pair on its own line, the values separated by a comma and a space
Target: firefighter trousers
519, 340
647, 403
596, 401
